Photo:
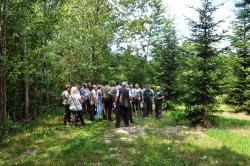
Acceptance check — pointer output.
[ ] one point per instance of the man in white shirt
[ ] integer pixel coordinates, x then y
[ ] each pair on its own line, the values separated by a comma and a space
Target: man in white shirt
93, 102
65, 96
138, 98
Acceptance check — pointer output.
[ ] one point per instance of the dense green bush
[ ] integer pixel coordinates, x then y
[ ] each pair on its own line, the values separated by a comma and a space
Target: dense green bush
178, 116
8, 127
200, 114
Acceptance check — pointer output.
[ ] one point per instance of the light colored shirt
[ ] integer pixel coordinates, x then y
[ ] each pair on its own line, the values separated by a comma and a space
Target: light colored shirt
133, 92
113, 91
93, 97
138, 93
65, 96
85, 93
74, 102
118, 87
105, 91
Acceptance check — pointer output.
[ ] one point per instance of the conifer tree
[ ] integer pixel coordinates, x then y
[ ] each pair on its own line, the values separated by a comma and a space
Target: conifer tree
239, 95
166, 54
202, 83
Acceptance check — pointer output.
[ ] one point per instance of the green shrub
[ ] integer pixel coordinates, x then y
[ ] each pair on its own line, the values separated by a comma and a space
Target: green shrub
168, 105
200, 114
8, 127
178, 116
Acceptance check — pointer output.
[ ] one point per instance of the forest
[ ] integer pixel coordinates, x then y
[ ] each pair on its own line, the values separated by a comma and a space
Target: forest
45, 44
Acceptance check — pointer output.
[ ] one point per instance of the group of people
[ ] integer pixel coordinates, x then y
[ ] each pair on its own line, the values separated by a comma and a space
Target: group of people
100, 101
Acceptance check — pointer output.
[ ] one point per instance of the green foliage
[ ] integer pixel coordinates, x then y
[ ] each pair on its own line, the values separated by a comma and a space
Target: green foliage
178, 116
166, 54
203, 78
51, 43
7, 128
239, 93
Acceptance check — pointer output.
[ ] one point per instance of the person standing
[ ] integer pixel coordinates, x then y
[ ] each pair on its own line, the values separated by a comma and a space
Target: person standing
87, 96
99, 102
75, 103
67, 113
159, 97
113, 93
93, 102
137, 98
131, 105
147, 100
122, 101
107, 101
132, 92
114, 90
85, 93
152, 100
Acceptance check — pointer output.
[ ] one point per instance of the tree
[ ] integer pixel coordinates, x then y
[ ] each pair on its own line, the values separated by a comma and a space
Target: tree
239, 95
85, 33
166, 55
3, 15
27, 58
203, 84
141, 31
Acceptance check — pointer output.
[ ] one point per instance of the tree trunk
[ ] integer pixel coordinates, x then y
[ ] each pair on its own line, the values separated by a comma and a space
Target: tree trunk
25, 75
2, 98
26, 98
46, 11
3, 11
26, 83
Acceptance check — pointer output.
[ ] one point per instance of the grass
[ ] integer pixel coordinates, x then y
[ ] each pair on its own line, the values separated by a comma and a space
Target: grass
46, 141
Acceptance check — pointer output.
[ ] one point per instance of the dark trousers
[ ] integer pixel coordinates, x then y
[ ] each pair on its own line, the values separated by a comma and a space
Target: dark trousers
67, 114
78, 115
133, 106
107, 108
158, 109
122, 113
147, 108
130, 114
92, 112
86, 105
137, 103
150, 107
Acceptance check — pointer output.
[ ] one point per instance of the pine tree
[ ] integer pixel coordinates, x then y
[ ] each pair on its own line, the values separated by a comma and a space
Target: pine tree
239, 95
202, 83
166, 55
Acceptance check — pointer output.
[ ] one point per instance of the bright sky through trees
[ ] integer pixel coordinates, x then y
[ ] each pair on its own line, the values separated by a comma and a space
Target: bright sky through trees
179, 10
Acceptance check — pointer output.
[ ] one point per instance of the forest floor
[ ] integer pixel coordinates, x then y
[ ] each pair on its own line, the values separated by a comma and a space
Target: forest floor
149, 141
